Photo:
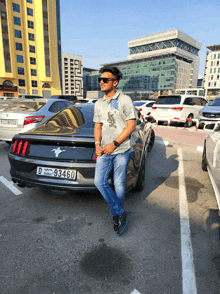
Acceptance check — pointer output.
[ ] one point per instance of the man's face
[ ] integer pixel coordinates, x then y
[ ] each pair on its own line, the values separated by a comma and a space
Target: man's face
111, 83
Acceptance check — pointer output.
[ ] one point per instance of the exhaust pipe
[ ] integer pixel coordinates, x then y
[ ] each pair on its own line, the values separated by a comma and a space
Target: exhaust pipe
21, 184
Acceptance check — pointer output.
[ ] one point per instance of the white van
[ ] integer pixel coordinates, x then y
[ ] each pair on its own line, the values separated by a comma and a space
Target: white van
178, 108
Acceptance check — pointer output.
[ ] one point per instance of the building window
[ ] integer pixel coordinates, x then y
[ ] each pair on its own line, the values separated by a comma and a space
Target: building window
211, 63
32, 49
31, 37
211, 77
214, 84
32, 60
209, 84
210, 70
217, 63
21, 83
214, 70
30, 1
214, 56
46, 86
33, 72
17, 34
217, 77
30, 24
16, 7
17, 21
34, 83
218, 55
30, 11
18, 46
20, 70
20, 59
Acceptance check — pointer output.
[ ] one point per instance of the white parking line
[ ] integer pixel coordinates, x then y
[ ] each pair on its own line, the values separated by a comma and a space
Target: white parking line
161, 141
188, 272
10, 186
135, 292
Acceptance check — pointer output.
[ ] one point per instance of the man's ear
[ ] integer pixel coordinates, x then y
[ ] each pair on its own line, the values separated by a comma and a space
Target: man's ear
115, 83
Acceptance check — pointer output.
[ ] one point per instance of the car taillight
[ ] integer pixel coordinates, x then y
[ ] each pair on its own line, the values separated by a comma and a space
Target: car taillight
140, 109
154, 107
95, 157
176, 108
21, 147
33, 119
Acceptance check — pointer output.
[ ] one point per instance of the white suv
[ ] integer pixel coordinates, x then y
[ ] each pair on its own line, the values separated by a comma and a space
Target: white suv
178, 108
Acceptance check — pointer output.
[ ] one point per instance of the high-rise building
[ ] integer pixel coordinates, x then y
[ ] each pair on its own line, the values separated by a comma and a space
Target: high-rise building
166, 60
30, 47
212, 71
72, 74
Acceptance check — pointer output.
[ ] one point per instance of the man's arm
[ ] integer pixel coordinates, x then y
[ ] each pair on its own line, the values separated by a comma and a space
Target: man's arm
98, 137
131, 123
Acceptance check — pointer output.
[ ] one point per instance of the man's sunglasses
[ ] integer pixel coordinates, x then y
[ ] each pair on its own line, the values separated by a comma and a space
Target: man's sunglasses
105, 80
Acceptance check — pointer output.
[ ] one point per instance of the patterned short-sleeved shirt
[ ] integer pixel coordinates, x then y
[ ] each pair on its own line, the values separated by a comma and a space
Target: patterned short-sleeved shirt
113, 114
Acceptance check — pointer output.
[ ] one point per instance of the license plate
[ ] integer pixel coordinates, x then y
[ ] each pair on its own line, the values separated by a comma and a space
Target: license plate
8, 122
56, 173
163, 109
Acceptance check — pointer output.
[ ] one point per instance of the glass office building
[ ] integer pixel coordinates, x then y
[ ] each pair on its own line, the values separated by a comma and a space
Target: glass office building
162, 61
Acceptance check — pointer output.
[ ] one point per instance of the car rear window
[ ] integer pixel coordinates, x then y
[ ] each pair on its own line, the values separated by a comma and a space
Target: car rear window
138, 103
73, 117
168, 100
26, 106
216, 102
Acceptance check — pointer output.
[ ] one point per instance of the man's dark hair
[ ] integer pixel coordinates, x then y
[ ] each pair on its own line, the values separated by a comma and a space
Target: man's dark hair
112, 69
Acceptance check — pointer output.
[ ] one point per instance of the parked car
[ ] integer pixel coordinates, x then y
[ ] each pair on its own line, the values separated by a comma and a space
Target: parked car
25, 114
29, 96
5, 97
60, 153
71, 98
210, 114
85, 100
144, 107
211, 159
178, 108
5, 103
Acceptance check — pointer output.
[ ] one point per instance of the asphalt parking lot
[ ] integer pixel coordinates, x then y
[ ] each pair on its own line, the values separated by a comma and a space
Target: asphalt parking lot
56, 243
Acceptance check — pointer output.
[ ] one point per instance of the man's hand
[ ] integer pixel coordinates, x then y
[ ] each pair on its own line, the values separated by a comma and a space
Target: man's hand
109, 148
99, 151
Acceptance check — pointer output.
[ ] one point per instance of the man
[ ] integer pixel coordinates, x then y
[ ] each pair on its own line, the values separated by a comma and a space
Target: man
114, 118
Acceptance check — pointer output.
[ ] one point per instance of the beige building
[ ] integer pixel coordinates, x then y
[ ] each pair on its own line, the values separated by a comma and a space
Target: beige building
212, 71
30, 46
72, 75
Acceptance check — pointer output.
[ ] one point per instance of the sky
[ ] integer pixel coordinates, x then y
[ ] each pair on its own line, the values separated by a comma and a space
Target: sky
99, 31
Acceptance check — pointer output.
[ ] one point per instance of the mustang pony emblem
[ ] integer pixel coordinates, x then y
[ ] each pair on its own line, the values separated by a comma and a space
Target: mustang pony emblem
58, 151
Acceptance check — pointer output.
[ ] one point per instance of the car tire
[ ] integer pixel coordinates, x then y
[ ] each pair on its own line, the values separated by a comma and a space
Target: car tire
141, 176
152, 140
204, 159
189, 123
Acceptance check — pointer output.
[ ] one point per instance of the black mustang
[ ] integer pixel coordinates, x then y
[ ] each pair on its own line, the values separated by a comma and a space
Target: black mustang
60, 153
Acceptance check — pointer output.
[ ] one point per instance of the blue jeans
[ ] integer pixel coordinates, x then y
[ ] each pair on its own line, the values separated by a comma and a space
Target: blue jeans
104, 165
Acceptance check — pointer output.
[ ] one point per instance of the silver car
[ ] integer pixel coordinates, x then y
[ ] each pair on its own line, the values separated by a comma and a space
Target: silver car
210, 114
211, 159
26, 114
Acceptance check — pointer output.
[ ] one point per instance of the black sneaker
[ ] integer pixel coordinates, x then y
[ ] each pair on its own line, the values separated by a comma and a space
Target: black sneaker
122, 222
115, 223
